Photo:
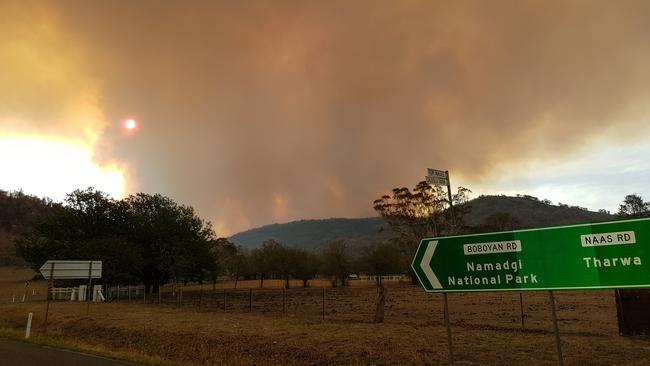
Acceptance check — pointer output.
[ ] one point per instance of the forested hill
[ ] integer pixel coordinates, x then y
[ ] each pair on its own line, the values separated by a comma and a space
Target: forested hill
311, 234
486, 213
529, 212
17, 212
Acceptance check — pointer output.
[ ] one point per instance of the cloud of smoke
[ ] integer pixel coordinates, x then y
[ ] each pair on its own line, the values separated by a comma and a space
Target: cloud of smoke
264, 111
50, 114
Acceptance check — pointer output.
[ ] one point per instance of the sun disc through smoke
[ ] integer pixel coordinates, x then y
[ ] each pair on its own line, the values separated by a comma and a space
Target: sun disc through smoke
130, 124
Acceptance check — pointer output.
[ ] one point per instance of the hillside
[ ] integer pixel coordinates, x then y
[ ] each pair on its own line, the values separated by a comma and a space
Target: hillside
526, 212
312, 233
17, 212
529, 212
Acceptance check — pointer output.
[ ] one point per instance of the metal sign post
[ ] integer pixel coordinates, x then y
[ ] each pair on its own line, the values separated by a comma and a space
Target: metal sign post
90, 288
558, 345
50, 287
451, 203
439, 177
448, 325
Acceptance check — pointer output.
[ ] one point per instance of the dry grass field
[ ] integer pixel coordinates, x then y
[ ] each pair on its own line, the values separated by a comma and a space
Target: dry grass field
487, 328
13, 285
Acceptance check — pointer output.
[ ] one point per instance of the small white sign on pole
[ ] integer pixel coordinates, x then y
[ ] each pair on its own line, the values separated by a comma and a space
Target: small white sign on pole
436, 177
62, 269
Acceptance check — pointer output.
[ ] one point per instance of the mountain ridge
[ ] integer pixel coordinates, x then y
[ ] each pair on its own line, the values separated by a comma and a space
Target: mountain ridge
524, 212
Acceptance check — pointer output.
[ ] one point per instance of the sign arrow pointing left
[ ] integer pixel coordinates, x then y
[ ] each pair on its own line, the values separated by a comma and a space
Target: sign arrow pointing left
426, 264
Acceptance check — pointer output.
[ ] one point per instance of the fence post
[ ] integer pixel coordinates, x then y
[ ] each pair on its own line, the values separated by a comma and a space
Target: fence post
250, 300
284, 301
201, 295
521, 307
224, 299
324, 303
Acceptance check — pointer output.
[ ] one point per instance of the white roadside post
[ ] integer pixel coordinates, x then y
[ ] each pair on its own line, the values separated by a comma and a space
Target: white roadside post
28, 329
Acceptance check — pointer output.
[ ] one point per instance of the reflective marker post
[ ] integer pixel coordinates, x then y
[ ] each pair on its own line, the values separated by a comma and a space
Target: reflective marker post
28, 328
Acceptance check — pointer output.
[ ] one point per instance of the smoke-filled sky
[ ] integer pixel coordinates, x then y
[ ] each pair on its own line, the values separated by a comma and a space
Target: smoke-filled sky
257, 112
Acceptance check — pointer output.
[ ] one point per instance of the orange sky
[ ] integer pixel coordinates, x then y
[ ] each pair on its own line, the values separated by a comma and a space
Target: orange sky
262, 111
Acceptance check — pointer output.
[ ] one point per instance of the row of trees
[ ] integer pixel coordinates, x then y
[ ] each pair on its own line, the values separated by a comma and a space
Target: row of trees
151, 239
143, 238
336, 261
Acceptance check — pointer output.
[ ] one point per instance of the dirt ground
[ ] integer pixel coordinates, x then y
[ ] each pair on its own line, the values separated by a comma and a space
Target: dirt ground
486, 327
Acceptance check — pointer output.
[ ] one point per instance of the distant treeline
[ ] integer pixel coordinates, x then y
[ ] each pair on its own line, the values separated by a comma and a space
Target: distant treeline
152, 240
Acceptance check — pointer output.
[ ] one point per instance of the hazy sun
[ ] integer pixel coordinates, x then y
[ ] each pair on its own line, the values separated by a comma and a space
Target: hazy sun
130, 124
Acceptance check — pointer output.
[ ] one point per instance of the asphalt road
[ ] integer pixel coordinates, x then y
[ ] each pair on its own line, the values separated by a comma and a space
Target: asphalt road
14, 353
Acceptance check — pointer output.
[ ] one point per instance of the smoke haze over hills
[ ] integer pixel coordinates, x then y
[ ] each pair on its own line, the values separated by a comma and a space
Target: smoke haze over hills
270, 111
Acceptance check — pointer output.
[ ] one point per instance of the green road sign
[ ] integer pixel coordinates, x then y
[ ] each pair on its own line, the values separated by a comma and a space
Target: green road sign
592, 256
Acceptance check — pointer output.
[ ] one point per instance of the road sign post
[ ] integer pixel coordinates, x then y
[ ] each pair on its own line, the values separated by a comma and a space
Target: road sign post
63, 269
50, 287
576, 257
69, 270
450, 347
558, 344
90, 291
440, 177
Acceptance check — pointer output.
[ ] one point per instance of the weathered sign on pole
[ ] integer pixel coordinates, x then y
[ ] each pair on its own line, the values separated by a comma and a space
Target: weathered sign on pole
441, 178
576, 257
437, 177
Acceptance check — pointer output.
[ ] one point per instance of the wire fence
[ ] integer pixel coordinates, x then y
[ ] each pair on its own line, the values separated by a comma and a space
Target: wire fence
405, 304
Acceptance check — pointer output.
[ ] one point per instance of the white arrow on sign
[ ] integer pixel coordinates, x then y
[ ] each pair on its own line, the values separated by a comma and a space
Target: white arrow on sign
61, 269
426, 264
